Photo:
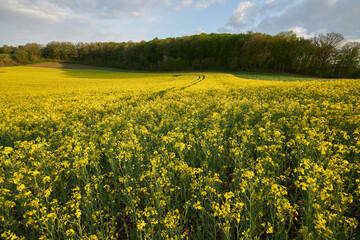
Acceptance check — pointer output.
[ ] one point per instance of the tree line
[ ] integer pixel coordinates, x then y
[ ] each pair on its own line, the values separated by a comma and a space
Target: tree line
324, 55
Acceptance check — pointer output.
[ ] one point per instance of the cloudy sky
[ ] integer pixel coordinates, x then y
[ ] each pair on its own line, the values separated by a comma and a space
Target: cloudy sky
43, 21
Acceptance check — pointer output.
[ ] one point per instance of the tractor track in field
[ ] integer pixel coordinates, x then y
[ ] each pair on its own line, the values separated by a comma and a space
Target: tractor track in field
200, 79
163, 92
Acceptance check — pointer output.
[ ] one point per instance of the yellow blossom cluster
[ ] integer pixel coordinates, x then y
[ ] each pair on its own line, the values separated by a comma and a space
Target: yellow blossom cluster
92, 154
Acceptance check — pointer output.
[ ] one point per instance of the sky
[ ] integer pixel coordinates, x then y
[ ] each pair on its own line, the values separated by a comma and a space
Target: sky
43, 21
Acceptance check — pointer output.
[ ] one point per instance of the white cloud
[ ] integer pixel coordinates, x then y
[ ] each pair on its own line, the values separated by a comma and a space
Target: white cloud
238, 16
58, 9
250, 14
42, 21
307, 17
301, 32
39, 9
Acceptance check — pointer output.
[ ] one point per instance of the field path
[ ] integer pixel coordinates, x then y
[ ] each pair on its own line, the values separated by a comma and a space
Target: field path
163, 92
200, 79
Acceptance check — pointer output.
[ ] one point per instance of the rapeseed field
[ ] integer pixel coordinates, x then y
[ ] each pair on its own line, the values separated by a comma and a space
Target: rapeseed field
92, 154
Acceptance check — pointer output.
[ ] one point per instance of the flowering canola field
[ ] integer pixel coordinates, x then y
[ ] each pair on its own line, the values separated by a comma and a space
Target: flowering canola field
92, 154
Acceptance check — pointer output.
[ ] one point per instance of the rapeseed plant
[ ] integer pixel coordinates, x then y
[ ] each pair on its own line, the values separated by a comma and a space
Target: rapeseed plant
97, 155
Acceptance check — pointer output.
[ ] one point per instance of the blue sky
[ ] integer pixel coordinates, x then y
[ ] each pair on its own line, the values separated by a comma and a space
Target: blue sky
43, 21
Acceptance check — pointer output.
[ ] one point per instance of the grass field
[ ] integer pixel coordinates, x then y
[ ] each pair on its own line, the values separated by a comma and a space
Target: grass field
100, 154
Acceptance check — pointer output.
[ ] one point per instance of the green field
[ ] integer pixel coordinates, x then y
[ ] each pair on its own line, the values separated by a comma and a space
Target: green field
98, 154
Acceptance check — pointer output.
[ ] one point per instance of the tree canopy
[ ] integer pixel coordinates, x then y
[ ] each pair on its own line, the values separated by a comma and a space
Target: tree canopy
324, 55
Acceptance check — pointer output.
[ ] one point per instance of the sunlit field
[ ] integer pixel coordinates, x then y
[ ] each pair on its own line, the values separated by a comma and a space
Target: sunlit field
97, 154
